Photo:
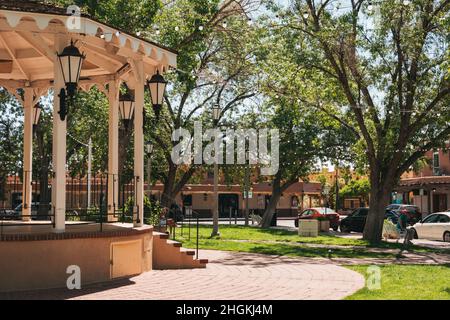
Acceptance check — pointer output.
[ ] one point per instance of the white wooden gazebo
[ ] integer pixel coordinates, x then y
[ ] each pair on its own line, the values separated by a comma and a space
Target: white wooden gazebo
32, 35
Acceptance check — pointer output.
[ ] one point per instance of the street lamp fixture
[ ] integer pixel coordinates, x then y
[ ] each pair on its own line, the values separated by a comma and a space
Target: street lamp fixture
70, 60
216, 113
126, 106
36, 114
149, 148
157, 86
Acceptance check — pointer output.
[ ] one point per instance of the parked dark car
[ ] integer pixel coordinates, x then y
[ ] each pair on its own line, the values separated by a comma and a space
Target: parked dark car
356, 220
315, 213
413, 212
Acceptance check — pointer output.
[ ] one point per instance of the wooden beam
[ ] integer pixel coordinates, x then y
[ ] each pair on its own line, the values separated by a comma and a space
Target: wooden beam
29, 53
105, 53
11, 53
13, 91
125, 69
48, 83
38, 43
98, 60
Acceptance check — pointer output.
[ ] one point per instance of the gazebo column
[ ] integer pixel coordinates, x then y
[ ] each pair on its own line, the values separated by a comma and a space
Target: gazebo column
138, 71
113, 148
59, 144
27, 154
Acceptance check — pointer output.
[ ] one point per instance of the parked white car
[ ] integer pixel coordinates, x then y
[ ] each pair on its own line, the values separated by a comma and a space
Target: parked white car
436, 226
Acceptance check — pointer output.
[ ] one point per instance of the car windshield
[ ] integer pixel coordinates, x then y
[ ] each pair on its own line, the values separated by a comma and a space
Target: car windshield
392, 207
411, 208
325, 211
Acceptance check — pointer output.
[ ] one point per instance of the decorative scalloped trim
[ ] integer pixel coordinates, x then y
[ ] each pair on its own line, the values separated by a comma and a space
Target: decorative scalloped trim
92, 28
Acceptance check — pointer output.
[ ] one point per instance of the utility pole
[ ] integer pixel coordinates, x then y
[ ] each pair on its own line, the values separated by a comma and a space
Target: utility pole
149, 167
247, 185
89, 173
337, 186
216, 116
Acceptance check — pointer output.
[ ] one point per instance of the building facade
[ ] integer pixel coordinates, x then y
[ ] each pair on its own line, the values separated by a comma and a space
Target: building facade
429, 189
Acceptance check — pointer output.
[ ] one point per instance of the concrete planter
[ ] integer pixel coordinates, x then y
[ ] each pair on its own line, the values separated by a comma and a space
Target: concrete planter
324, 225
308, 228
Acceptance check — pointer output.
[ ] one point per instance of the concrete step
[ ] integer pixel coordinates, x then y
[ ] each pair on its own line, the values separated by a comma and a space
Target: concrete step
176, 244
169, 254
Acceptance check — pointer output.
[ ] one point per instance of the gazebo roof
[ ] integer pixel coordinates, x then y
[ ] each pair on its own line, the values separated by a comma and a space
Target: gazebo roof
27, 32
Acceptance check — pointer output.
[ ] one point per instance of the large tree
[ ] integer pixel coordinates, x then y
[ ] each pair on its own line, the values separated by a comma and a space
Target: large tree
295, 100
390, 60
212, 38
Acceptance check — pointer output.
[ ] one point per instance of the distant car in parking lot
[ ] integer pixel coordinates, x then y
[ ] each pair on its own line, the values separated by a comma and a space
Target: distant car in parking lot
320, 212
412, 212
436, 226
356, 220
17, 212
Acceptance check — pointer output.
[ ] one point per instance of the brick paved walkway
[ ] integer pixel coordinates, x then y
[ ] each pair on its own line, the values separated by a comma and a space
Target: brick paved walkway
229, 275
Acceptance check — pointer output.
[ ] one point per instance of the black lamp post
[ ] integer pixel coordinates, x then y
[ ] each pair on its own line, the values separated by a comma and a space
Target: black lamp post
70, 60
157, 86
126, 106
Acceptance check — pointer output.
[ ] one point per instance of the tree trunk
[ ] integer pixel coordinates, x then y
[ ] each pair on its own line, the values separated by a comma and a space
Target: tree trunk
44, 205
168, 197
379, 199
272, 206
124, 141
44, 194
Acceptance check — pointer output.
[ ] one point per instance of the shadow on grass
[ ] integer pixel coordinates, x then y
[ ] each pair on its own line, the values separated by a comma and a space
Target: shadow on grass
313, 252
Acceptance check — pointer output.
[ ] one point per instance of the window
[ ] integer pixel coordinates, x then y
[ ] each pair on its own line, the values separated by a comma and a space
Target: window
431, 219
307, 213
443, 219
362, 212
436, 169
187, 200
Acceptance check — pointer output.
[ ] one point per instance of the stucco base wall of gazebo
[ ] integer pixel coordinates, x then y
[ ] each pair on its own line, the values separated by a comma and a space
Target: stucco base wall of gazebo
32, 263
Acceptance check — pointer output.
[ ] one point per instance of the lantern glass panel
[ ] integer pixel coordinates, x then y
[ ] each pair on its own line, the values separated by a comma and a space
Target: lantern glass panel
36, 115
126, 109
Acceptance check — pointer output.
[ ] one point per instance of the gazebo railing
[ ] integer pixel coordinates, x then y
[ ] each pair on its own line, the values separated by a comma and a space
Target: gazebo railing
83, 204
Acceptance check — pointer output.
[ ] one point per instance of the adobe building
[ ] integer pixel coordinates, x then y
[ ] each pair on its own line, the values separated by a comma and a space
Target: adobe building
429, 189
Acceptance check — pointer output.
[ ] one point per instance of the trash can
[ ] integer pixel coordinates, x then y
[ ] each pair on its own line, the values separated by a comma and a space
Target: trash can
273, 222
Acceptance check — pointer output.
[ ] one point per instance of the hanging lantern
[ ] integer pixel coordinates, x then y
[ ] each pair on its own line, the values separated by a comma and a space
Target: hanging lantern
157, 86
70, 60
216, 113
36, 115
126, 106
149, 148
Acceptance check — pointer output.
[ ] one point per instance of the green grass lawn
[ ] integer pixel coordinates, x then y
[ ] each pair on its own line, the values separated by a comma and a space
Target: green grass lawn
278, 242
237, 232
407, 282
283, 242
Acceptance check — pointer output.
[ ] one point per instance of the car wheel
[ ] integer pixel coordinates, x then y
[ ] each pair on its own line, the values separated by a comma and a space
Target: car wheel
446, 236
414, 234
344, 229
335, 228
